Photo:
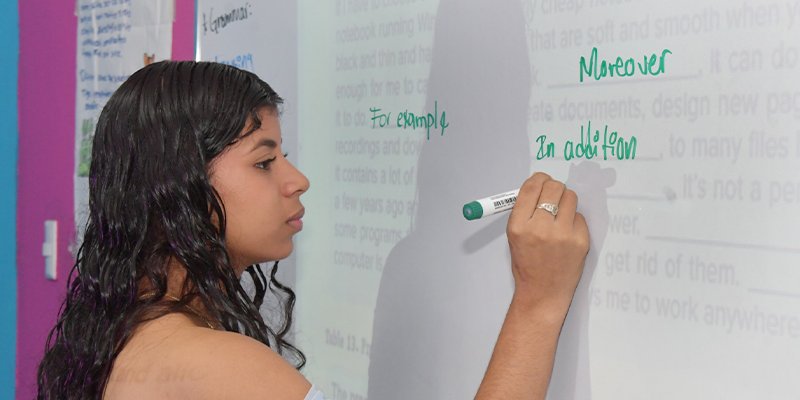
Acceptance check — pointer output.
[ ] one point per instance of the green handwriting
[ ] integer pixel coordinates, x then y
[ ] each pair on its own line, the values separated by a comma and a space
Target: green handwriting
408, 120
652, 65
605, 144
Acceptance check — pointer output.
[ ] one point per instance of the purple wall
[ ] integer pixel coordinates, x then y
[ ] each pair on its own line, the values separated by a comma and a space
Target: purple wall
47, 83
183, 30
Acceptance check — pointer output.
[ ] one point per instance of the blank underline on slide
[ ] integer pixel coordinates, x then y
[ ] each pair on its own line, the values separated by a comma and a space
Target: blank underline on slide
628, 81
720, 243
646, 197
775, 292
642, 158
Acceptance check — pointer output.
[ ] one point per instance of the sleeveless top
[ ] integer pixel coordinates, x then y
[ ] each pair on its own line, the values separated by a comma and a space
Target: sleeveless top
314, 394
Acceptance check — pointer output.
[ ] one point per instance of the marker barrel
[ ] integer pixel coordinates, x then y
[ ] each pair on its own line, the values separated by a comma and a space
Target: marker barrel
490, 205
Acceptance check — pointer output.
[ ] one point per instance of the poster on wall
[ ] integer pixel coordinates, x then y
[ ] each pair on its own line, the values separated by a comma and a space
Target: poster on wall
115, 38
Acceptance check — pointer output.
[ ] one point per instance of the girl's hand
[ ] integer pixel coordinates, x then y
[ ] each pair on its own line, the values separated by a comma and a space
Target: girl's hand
547, 251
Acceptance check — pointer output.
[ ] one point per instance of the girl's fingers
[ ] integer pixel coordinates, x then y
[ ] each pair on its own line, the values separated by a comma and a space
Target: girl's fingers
551, 194
527, 199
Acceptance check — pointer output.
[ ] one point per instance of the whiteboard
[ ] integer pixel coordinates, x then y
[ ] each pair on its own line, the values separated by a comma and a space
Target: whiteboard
675, 122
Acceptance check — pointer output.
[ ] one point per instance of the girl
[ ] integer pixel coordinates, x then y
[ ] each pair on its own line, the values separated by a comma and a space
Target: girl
189, 189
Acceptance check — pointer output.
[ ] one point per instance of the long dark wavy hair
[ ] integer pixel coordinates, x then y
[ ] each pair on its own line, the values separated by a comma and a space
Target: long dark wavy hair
150, 200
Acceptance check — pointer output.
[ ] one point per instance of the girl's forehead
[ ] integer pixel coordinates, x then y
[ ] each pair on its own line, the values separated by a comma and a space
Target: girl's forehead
268, 134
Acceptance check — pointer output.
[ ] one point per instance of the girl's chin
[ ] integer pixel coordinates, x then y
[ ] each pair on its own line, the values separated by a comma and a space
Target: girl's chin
280, 254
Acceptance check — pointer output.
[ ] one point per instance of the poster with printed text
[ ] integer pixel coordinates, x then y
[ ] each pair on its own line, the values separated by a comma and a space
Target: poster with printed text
115, 39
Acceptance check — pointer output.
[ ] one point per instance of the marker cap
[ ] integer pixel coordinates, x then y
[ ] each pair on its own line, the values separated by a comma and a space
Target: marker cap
473, 210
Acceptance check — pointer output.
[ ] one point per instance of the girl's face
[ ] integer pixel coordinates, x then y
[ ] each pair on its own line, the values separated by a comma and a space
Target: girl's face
260, 191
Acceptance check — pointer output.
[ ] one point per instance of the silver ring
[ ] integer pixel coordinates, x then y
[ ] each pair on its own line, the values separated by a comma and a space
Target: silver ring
549, 207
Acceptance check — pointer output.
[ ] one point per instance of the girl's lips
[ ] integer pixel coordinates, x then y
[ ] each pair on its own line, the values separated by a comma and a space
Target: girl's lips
296, 220
296, 223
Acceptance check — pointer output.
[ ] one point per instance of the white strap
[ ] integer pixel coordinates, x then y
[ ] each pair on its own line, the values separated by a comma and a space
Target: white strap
314, 394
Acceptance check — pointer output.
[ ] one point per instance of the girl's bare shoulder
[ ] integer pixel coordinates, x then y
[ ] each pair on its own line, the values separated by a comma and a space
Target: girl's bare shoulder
172, 357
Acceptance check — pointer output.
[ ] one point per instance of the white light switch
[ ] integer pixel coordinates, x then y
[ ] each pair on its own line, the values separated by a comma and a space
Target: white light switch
50, 248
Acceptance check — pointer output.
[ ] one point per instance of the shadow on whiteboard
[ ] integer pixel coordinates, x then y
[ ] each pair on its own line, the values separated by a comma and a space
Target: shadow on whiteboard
571, 373
445, 287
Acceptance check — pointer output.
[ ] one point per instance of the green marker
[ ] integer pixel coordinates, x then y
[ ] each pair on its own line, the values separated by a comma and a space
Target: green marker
490, 205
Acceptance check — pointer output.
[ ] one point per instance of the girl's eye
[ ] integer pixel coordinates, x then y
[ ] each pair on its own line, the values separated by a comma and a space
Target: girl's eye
265, 164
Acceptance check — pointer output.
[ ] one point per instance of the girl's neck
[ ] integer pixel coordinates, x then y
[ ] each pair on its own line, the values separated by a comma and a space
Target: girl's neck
176, 278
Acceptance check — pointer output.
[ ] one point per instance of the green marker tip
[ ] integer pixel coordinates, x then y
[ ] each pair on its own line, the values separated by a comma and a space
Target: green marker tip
473, 210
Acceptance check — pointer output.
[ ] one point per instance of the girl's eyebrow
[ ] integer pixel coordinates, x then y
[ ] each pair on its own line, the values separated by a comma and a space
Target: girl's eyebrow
264, 142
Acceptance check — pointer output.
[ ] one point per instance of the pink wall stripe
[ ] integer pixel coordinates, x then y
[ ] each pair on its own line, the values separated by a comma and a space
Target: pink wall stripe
183, 30
46, 148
